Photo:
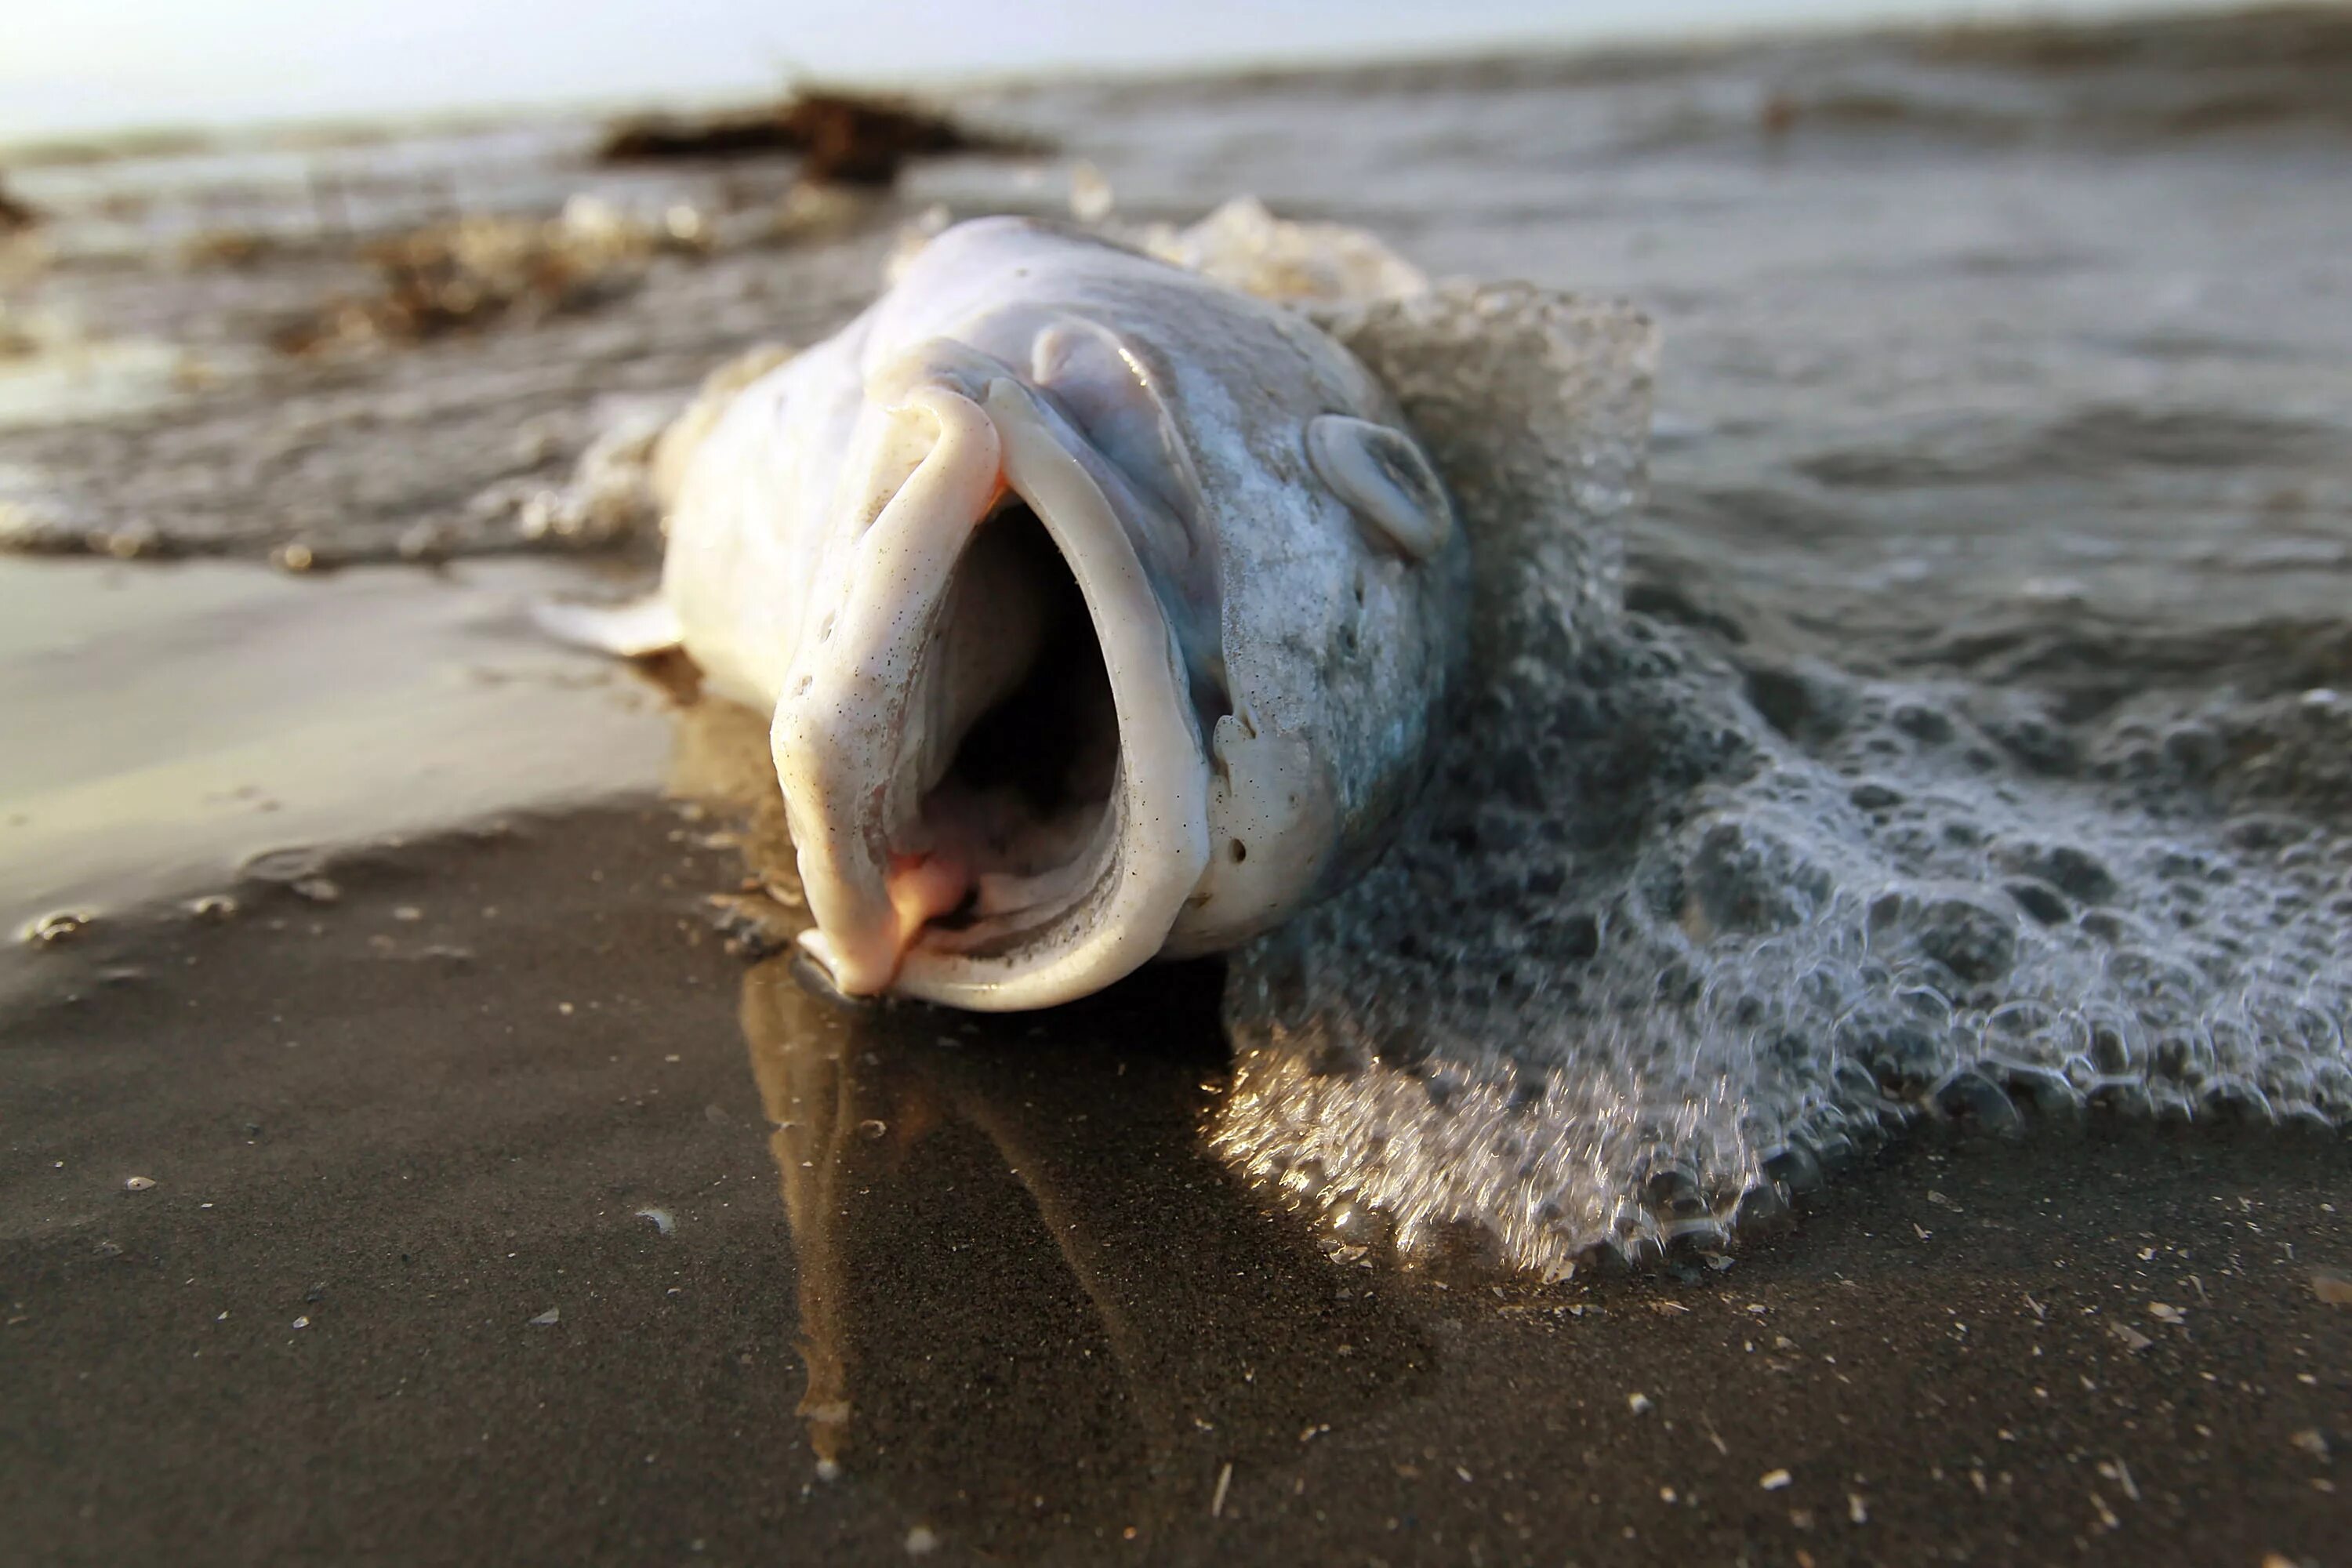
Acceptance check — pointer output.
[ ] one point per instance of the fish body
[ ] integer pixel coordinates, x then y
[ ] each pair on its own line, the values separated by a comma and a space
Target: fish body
1104, 613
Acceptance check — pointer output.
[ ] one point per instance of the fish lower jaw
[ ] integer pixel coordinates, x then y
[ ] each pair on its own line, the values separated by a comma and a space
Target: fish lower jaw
988, 941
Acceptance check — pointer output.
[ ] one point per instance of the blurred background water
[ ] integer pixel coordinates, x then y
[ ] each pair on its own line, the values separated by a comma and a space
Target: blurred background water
2031, 310
118, 64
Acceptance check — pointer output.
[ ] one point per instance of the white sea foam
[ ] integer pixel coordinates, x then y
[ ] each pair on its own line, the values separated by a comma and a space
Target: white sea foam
1679, 923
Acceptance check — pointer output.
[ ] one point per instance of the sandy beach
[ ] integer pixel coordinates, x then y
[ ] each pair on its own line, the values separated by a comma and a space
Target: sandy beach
469, 1241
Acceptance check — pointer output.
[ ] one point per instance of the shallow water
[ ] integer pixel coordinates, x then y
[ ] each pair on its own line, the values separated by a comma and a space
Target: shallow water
168, 726
1971, 695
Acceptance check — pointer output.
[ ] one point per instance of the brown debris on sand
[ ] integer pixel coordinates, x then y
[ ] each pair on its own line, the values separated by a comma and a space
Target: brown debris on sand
236, 249
846, 138
13, 212
464, 274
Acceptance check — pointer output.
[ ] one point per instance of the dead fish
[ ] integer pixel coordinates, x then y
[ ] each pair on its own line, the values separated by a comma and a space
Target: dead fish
1104, 613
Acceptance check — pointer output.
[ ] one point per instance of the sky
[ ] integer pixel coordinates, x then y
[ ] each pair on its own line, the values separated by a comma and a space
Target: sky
75, 66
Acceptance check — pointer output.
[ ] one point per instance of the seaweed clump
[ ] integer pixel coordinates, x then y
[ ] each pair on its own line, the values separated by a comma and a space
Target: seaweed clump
14, 213
464, 274
842, 138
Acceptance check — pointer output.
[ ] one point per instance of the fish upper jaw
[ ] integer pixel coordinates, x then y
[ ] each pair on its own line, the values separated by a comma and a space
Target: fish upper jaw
926, 882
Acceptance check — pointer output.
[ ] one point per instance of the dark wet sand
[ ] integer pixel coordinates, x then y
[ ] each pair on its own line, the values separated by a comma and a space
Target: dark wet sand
1008, 1293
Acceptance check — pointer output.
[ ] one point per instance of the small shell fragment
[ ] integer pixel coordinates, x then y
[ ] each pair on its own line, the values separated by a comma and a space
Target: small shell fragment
52, 928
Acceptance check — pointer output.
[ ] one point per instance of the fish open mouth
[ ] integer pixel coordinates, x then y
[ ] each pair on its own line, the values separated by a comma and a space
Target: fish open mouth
1022, 702
995, 780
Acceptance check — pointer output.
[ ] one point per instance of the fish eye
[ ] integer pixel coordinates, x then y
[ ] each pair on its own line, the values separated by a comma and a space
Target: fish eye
1383, 477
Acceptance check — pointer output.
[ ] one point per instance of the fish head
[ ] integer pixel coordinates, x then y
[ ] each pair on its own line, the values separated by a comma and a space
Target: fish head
1016, 763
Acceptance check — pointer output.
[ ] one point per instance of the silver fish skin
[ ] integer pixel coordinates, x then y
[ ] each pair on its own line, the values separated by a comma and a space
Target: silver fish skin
1103, 611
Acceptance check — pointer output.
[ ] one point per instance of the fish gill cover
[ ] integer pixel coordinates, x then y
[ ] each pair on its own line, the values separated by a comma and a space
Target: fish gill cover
1667, 935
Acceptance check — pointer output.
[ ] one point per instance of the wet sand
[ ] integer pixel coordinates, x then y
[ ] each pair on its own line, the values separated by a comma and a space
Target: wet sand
168, 724
468, 1242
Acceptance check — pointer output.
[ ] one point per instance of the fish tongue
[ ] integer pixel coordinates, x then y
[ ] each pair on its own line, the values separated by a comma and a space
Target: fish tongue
922, 888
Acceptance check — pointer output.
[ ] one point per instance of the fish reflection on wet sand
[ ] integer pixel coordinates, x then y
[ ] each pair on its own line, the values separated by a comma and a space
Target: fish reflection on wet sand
1135, 1307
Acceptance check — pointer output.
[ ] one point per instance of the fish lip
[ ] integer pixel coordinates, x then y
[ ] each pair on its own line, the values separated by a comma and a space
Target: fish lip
839, 736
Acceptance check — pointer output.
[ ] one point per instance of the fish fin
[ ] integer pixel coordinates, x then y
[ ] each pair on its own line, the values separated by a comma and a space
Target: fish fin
1384, 479
630, 630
